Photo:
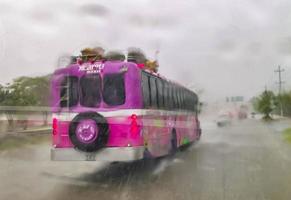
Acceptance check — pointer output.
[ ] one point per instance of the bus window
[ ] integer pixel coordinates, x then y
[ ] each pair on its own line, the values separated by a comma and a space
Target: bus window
184, 99
153, 89
170, 97
174, 96
90, 90
166, 95
69, 95
146, 90
160, 88
195, 101
189, 102
179, 98
113, 89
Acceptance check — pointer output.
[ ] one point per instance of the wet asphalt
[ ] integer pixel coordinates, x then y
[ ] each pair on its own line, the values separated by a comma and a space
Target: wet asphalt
247, 160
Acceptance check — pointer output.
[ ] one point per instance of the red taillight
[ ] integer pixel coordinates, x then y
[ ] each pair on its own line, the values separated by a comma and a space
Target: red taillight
133, 125
133, 117
55, 126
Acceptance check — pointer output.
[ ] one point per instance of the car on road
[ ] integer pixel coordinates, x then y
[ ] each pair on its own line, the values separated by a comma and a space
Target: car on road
223, 120
242, 115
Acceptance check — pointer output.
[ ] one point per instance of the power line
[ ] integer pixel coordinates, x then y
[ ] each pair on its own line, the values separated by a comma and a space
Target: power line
280, 83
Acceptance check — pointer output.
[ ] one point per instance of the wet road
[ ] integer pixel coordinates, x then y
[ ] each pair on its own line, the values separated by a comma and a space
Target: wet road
247, 160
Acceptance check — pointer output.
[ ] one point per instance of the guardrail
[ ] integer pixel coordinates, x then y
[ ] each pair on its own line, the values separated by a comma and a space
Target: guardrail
15, 118
25, 108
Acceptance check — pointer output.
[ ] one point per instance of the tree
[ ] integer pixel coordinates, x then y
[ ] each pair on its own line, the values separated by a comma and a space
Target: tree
24, 91
2, 93
285, 99
265, 104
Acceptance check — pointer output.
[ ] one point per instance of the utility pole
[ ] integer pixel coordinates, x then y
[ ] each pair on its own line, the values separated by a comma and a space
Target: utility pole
280, 83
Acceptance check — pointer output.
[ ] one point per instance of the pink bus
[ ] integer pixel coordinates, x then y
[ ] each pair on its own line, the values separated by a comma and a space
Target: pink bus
115, 111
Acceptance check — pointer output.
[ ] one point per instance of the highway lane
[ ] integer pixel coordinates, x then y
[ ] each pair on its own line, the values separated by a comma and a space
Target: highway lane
247, 160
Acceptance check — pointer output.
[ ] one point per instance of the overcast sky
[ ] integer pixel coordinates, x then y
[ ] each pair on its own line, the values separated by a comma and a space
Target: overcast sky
225, 47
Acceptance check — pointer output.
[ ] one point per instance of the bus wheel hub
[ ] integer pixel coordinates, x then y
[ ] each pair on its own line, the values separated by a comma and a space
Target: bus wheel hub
87, 131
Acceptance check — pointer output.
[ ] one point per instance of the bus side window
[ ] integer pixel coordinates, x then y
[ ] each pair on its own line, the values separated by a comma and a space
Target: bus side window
175, 97
170, 97
195, 102
165, 93
182, 99
167, 96
146, 90
153, 91
192, 102
179, 98
160, 88
157, 93
189, 101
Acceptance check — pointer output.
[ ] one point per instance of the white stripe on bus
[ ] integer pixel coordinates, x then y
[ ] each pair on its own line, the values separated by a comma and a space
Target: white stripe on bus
68, 116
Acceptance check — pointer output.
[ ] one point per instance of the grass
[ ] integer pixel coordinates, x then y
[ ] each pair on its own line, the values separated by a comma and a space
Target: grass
12, 142
287, 134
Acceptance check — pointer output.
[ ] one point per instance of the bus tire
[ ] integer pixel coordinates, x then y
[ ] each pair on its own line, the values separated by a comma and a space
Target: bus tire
174, 143
102, 134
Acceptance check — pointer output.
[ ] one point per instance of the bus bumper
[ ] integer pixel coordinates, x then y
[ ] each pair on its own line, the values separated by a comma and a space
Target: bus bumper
109, 154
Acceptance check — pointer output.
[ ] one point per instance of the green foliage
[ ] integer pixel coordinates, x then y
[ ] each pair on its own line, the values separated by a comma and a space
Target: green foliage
266, 103
25, 91
2, 93
287, 134
285, 98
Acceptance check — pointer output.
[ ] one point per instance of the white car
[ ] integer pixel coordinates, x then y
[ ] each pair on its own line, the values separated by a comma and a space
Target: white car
223, 120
